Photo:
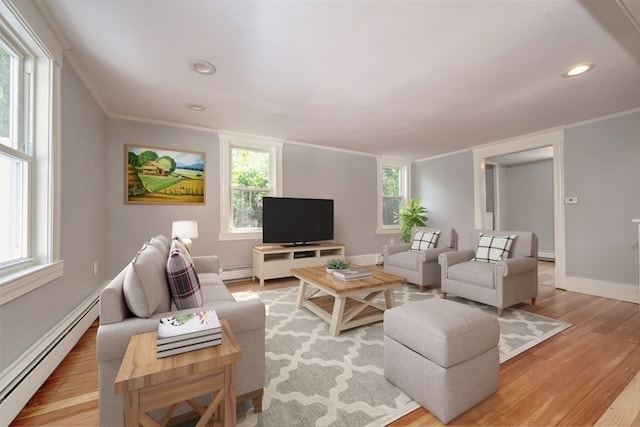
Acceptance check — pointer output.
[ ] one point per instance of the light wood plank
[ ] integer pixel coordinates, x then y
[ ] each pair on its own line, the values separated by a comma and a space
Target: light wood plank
586, 375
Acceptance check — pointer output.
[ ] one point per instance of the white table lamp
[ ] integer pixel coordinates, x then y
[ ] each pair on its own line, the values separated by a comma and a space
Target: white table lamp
186, 230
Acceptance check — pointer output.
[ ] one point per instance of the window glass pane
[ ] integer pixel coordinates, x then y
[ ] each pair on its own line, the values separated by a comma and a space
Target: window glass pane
389, 206
12, 172
7, 80
247, 208
249, 168
390, 182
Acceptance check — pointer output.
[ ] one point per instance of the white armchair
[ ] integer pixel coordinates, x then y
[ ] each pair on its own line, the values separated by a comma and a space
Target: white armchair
419, 266
500, 283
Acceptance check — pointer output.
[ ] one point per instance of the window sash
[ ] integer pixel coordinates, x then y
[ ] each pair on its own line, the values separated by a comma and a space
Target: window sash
236, 224
391, 196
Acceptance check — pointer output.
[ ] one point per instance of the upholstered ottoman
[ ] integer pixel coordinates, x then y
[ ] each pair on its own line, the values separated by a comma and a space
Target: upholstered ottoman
443, 354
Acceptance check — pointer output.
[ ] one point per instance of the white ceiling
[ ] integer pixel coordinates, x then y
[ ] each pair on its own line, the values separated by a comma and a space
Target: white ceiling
403, 79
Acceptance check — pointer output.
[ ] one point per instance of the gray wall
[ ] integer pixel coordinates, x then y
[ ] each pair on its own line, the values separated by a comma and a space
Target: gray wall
602, 169
529, 200
349, 179
446, 187
25, 320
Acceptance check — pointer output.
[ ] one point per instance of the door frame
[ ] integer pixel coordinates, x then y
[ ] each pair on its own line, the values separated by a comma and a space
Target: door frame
553, 138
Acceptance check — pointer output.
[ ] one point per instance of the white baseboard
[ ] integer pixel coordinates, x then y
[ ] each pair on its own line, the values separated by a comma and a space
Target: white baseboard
546, 255
599, 288
366, 259
22, 379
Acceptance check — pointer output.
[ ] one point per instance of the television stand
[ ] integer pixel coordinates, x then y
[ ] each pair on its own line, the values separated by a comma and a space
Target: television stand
275, 261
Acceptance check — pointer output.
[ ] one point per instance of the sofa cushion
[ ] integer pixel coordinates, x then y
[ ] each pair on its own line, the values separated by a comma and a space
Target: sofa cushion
493, 248
183, 280
424, 240
145, 283
162, 243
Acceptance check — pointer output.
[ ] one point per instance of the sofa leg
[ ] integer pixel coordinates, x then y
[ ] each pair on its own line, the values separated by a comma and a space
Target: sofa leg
257, 404
421, 288
255, 397
443, 295
533, 301
500, 311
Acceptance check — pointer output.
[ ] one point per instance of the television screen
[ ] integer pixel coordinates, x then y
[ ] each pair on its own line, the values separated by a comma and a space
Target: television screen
287, 220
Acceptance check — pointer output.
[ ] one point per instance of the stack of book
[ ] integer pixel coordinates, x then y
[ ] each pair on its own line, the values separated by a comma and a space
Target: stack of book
188, 332
352, 274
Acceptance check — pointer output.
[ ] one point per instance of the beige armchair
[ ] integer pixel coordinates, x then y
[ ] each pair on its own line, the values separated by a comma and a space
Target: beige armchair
499, 283
419, 266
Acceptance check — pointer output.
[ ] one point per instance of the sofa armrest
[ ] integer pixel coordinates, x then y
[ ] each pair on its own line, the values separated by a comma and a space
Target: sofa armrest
243, 316
113, 338
395, 248
447, 259
206, 264
513, 266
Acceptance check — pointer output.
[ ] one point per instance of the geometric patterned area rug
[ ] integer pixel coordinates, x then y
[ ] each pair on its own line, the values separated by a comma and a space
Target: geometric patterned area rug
316, 379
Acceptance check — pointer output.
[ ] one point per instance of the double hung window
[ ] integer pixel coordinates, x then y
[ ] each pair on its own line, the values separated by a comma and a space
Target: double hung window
29, 154
393, 192
250, 170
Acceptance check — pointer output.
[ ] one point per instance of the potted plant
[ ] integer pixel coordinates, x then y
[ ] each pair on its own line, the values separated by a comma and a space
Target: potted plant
336, 264
412, 215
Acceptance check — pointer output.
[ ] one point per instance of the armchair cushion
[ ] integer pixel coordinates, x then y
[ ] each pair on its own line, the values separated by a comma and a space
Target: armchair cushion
183, 281
493, 248
423, 240
474, 273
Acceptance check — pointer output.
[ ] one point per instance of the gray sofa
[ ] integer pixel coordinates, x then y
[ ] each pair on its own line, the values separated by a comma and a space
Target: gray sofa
143, 284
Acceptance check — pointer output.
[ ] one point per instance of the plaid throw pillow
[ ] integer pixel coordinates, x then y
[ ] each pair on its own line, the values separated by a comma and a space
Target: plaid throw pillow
493, 248
183, 280
424, 240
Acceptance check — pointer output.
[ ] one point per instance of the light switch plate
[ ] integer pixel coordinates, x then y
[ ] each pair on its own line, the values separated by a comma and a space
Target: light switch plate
571, 200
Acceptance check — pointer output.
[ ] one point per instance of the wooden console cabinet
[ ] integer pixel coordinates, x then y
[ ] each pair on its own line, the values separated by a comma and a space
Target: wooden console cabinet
273, 262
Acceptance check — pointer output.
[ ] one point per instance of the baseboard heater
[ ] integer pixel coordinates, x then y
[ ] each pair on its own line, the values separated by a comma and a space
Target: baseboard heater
22, 379
240, 272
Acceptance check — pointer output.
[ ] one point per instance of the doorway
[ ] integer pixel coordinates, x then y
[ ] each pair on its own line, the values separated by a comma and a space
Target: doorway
529, 157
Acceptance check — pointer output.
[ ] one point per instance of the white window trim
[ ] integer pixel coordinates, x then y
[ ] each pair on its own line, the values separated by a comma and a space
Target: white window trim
23, 23
227, 141
405, 190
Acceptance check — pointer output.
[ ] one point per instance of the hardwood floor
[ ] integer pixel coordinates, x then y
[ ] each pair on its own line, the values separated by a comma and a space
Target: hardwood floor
588, 374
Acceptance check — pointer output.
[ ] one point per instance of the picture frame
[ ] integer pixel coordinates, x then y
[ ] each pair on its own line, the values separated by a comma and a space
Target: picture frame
155, 175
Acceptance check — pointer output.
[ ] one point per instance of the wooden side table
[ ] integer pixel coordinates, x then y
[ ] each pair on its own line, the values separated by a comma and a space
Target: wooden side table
149, 383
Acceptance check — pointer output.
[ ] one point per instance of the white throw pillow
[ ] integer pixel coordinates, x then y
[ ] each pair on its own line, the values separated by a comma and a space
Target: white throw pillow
493, 248
424, 240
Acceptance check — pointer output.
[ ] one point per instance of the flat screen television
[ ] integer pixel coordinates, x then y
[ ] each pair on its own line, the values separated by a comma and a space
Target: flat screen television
297, 221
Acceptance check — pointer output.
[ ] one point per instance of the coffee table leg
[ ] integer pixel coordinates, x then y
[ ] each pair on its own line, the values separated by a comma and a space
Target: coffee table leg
389, 298
302, 289
337, 315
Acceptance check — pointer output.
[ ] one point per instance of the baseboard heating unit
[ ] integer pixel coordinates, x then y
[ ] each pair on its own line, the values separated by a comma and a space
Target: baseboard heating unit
22, 379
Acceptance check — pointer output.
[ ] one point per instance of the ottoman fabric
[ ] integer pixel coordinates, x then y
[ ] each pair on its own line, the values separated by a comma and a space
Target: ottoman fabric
443, 354
443, 331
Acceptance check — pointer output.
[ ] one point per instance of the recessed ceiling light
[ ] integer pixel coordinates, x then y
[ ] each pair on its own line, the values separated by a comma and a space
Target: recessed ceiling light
195, 107
578, 69
201, 66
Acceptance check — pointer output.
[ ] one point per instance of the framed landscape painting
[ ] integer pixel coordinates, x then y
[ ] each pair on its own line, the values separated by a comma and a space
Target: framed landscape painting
164, 176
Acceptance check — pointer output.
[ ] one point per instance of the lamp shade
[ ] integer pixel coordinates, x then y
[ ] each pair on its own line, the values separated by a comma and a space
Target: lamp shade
185, 229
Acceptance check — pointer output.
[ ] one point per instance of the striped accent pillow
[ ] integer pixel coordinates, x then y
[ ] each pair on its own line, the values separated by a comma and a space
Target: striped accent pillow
183, 280
493, 248
424, 240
